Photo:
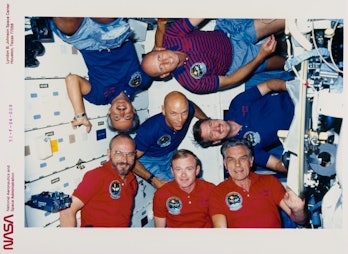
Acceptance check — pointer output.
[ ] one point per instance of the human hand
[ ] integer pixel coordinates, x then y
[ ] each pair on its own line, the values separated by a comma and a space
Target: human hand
268, 47
294, 202
162, 21
81, 121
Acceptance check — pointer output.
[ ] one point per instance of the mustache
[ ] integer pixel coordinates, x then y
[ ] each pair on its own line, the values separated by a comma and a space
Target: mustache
123, 164
123, 167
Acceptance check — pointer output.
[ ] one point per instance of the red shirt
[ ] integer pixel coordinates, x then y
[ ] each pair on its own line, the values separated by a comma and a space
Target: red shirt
182, 209
108, 199
257, 208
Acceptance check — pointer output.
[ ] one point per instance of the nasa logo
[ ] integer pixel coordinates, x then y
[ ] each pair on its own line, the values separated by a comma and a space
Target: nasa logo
8, 229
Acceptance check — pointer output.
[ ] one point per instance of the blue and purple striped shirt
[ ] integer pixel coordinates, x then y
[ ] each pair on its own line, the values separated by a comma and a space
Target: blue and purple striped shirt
209, 51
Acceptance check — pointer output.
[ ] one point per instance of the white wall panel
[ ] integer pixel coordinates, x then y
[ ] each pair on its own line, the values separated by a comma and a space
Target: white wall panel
144, 195
46, 103
141, 100
39, 218
57, 182
54, 224
59, 60
63, 181
67, 145
143, 217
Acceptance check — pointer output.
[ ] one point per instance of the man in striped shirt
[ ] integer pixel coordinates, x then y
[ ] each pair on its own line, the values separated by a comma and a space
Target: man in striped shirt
208, 61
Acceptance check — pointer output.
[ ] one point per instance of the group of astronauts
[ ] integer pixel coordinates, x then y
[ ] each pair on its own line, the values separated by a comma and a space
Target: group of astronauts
202, 62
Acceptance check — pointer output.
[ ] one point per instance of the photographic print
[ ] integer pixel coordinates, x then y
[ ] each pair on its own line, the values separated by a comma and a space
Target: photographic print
191, 131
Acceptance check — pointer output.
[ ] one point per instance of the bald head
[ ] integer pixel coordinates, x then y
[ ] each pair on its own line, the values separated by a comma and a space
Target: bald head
160, 62
175, 97
175, 110
149, 65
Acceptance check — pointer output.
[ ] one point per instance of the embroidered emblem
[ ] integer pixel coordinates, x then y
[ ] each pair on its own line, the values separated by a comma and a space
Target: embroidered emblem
164, 141
174, 205
135, 80
234, 201
197, 70
253, 137
115, 189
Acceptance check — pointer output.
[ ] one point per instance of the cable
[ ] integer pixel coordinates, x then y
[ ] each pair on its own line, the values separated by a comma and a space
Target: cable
330, 49
288, 45
333, 66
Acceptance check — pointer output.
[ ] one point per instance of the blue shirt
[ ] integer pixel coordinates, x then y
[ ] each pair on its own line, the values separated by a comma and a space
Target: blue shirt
261, 118
111, 72
156, 139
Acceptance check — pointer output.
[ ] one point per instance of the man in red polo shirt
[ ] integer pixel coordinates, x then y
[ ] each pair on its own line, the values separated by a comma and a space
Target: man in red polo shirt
183, 202
250, 200
105, 195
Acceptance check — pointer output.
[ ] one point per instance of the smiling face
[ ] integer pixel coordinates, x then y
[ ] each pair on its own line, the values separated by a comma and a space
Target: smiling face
214, 130
238, 162
185, 170
122, 154
175, 110
121, 113
160, 63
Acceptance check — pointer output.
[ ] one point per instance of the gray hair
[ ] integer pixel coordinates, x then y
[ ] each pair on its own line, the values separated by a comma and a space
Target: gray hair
131, 130
237, 142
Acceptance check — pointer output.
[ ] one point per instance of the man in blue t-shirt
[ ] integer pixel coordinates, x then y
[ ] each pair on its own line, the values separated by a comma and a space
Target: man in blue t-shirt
160, 135
208, 61
114, 71
255, 114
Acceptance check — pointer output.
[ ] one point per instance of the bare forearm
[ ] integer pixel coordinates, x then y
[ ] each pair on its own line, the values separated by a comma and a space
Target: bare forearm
77, 87
199, 112
160, 30
160, 222
276, 164
74, 93
267, 48
294, 206
219, 221
67, 219
237, 77
141, 171
277, 84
